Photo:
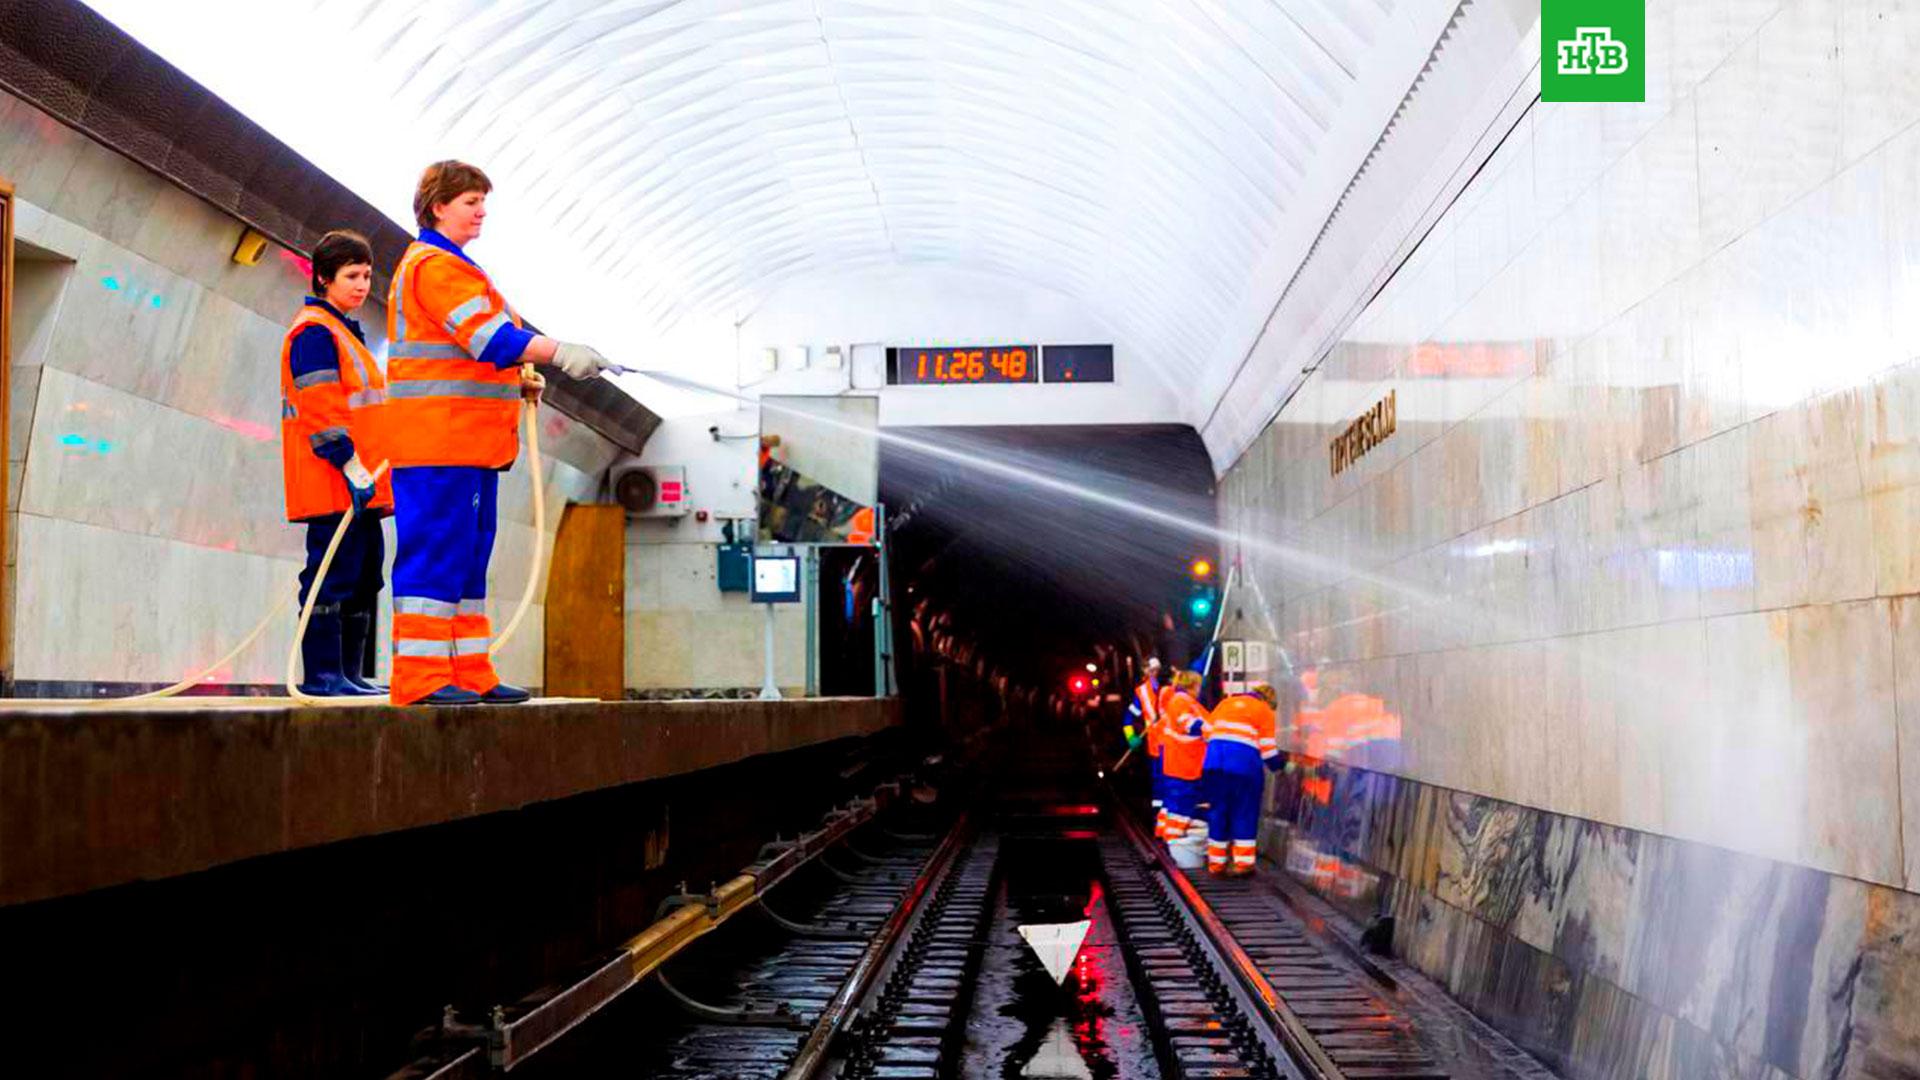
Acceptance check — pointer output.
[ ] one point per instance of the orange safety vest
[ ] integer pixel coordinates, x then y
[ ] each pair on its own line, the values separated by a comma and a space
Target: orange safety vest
1149, 705
323, 405
445, 407
860, 528
1183, 755
1247, 720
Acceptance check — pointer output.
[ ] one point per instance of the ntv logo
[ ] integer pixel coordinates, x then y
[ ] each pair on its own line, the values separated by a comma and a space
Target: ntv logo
1592, 51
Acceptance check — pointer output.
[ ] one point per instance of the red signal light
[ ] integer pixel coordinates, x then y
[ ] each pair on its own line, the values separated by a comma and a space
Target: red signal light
1078, 684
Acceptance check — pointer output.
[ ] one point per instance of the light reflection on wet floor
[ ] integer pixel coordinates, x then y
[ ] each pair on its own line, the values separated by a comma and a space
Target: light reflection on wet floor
1023, 1026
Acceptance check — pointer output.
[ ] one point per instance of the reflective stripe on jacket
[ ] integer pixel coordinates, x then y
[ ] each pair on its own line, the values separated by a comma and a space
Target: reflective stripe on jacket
445, 405
326, 406
1240, 734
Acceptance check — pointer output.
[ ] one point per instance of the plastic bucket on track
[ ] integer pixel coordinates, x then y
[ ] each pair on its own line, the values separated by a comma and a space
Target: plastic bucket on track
1190, 849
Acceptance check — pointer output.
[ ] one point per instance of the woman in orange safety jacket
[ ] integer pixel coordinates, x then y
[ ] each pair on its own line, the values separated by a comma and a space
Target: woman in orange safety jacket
1183, 750
454, 380
332, 399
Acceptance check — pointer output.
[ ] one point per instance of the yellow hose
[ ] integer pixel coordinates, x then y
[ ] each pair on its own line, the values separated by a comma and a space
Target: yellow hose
528, 424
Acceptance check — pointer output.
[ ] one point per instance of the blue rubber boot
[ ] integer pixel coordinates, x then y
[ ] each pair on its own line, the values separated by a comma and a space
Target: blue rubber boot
450, 695
503, 694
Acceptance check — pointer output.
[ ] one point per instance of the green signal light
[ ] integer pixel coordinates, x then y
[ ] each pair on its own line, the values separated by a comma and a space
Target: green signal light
1201, 606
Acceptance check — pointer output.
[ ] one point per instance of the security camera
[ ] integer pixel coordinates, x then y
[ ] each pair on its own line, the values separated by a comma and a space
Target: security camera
714, 430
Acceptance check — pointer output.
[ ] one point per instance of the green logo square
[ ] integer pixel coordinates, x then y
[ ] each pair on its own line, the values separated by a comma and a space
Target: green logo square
1593, 50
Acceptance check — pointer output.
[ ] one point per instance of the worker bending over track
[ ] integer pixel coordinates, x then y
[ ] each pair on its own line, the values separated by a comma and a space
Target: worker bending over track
332, 407
1241, 750
454, 379
1143, 718
1183, 752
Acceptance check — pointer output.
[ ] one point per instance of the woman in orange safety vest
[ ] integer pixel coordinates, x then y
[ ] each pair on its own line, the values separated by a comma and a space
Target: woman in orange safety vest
1183, 750
331, 405
453, 386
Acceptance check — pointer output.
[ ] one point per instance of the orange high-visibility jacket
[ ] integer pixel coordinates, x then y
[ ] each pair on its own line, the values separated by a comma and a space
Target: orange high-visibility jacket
1247, 721
1185, 749
446, 406
325, 405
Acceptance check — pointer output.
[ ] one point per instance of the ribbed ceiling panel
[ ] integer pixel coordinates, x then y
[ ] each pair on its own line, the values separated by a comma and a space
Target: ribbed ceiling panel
1139, 156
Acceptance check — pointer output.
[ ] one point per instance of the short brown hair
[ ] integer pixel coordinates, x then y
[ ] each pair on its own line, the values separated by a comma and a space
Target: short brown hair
339, 248
443, 182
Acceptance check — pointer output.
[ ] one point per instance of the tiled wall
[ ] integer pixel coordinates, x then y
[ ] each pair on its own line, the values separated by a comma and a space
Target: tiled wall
687, 638
1641, 550
145, 459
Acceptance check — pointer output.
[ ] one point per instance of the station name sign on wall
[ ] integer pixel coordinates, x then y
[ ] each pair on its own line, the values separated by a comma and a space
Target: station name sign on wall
1362, 435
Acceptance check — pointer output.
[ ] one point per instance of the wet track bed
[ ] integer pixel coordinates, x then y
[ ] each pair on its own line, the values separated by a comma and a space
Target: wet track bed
1024, 1024
890, 954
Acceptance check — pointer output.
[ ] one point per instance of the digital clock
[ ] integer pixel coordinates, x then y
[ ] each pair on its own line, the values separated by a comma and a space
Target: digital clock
963, 364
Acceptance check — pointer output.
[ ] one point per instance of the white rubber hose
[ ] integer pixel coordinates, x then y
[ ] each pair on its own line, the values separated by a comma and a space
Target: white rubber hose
313, 594
530, 420
529, 424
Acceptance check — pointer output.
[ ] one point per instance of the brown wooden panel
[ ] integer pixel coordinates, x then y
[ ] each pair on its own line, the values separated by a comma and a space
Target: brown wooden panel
6, 411
586, 605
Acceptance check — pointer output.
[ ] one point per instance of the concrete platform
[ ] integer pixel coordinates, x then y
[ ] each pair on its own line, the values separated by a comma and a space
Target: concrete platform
91, 798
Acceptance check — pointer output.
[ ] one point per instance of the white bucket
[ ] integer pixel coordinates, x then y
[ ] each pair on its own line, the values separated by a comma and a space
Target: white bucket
1190, 851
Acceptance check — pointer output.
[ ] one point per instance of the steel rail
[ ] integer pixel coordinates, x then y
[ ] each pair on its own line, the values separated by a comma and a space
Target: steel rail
509, 1042
841, 1011
1269, 1005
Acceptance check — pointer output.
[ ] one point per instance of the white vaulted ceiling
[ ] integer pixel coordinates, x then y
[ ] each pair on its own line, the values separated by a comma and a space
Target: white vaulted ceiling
663, 166
1143, 157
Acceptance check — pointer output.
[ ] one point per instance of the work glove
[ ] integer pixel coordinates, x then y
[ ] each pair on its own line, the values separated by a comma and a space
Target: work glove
580, 361
532, 383
1274, 763
359, 482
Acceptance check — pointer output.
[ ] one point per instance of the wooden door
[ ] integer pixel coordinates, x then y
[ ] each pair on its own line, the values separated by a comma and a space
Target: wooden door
6, 436
586, 605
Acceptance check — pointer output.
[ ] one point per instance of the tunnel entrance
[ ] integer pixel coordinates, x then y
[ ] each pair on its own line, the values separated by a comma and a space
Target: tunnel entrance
1022, 554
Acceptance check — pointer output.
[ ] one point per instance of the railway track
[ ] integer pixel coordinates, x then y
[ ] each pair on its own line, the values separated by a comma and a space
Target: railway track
868, 962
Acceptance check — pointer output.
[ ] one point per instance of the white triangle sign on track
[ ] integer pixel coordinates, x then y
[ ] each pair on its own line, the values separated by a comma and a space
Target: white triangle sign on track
1056, 944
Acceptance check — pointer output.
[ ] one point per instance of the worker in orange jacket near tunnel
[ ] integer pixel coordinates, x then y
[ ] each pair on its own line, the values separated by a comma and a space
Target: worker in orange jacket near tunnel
454, 380
1142, 725
1183, 752
332, 398
1241, 743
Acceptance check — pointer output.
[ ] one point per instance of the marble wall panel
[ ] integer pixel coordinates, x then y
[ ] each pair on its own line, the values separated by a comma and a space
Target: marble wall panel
1680, 527
1770, 119
1611, 952
1904, 612
102, 604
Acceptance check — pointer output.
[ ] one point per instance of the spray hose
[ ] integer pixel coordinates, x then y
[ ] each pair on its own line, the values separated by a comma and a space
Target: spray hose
530, 429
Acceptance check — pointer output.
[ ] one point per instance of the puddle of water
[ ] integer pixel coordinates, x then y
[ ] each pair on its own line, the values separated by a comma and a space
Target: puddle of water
1024, 1027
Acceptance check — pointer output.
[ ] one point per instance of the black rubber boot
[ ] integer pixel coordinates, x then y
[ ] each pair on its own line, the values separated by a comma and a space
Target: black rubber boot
320, 654
356, 627
503, 694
